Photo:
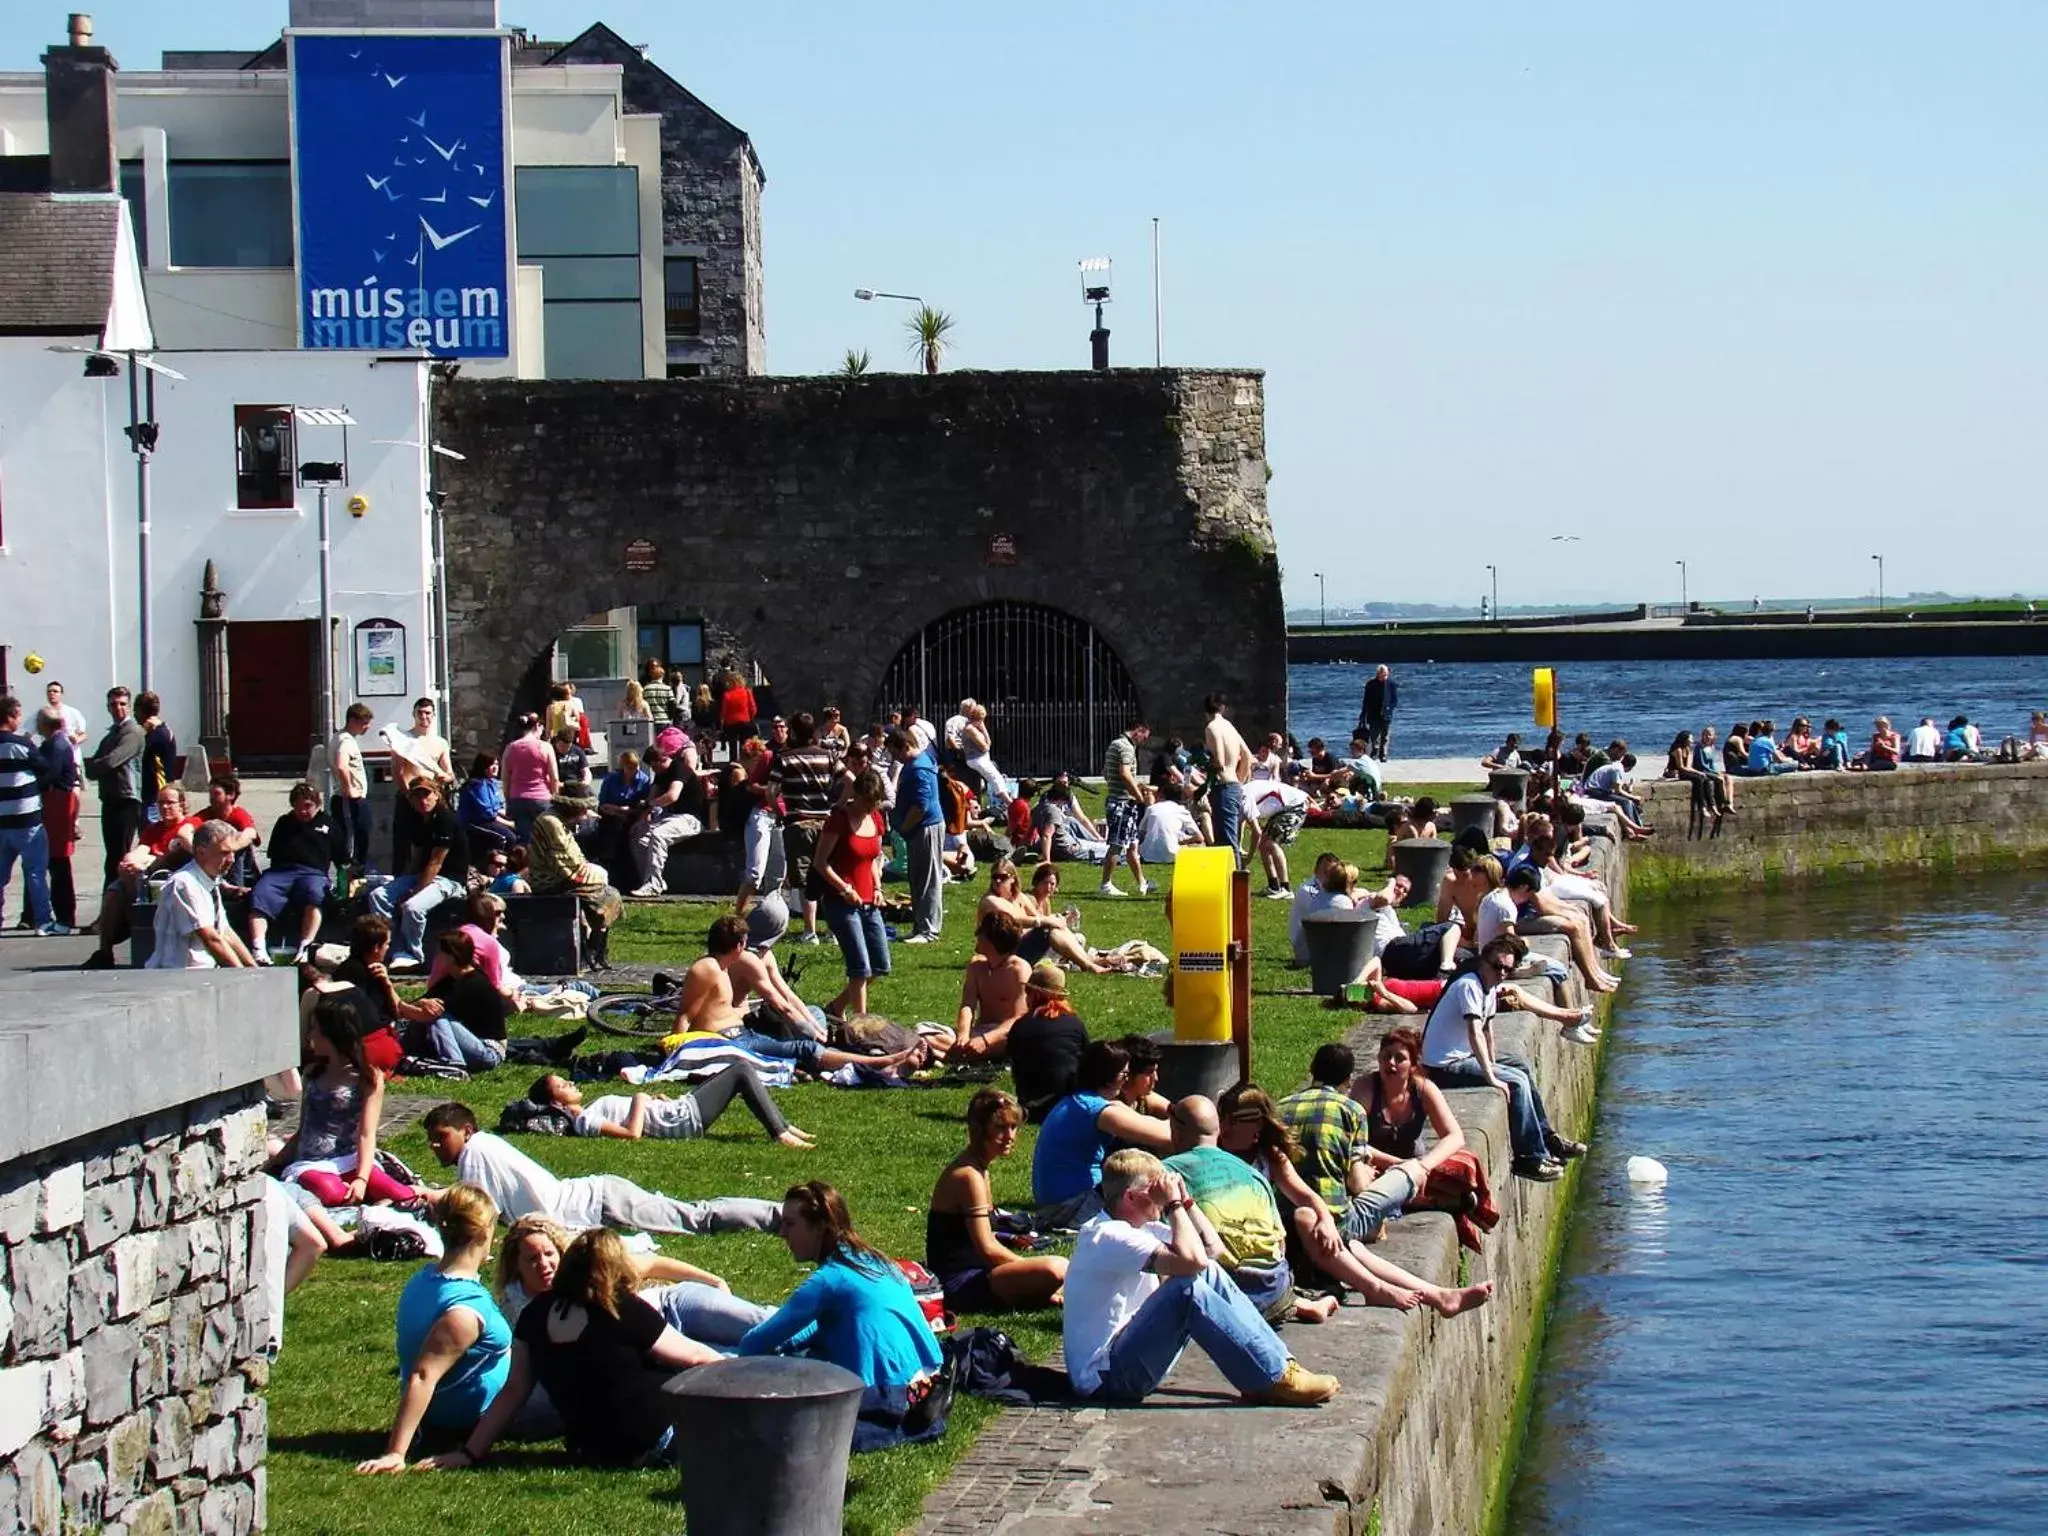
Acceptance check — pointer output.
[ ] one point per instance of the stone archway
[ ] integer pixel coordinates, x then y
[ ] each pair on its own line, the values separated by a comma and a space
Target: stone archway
829, 520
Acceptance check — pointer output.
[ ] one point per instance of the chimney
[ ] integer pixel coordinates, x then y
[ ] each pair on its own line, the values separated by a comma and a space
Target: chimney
78, 93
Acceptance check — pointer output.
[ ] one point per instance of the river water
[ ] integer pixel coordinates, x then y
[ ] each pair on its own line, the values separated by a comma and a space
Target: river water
1835, 1317
1464, 708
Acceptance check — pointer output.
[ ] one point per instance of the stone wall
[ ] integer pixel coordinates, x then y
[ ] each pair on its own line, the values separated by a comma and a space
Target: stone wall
1811, 825
135, 1318
827, 521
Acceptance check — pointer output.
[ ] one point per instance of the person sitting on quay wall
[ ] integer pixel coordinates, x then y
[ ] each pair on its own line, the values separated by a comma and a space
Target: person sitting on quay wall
1079, 1131
977, 1271
301, 850
556, 866
1884, 752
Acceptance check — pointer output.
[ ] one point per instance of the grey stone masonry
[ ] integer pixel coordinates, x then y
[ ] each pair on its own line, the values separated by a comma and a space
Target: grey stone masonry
827, 521
135, 1313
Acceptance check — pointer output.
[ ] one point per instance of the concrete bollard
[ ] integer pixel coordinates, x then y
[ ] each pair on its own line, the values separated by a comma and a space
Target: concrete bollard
1339, 944
1469, 811
1509, 784
763, 1445
1425, 861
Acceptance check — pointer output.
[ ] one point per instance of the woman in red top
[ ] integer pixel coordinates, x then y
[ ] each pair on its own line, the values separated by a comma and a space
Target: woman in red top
736, 712
849, 862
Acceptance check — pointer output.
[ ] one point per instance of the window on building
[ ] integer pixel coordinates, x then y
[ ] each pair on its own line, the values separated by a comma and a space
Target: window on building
263, 457
580, 224
673, 643
131, 192
231, 213
589, 655
679, 297
686, 370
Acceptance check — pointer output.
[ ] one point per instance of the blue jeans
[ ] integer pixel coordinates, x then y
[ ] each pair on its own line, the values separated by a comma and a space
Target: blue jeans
1528, 1125
1207, 1310
418, 900
1383, 1200
32, 848
705, 1313
803, 1052
1227, 801
450, 1040
862, 936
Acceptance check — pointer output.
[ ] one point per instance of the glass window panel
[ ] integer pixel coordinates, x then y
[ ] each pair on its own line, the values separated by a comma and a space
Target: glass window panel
589, 653
592, 341
590, 277
231, 213
686, 643
131, 191
576, 210
680, 296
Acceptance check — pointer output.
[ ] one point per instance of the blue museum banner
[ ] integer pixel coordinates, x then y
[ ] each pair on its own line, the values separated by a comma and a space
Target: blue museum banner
399, 149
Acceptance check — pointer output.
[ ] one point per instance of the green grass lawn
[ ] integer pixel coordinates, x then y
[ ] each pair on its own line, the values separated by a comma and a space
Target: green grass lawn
334, 1388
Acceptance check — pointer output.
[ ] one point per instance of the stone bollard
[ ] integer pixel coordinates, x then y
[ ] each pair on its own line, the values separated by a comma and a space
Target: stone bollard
1469, 811
1207, 1067
1509, 784
1424, 860
1339, 944
764, 1442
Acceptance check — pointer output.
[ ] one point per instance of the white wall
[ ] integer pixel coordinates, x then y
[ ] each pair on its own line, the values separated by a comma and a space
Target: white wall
68, 577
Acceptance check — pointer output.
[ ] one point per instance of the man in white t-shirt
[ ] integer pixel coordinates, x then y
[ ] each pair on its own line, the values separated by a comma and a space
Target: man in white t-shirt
74, 722
519, 1186
1144, 1283
192, 928
632, 1116
1279, 811
1923, 742
1458, 1051
1167, 827
955, 724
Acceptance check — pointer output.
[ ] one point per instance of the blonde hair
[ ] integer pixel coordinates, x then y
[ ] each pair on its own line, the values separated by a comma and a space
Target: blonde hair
636, 696
597, 1271
466, 1217
523, 1228
1126, 1170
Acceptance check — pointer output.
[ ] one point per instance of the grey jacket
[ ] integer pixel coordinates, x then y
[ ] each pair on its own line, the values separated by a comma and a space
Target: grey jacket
116, 764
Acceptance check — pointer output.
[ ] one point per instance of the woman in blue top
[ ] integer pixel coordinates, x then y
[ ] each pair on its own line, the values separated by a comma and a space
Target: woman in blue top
1085, 1127
454, 1346
858, 1312
480, 807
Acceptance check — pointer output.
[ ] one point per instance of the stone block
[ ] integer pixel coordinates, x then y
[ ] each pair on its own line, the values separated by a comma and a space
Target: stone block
6, 1312
244, 1142
195, 1174
217, 1344
152, 1364
109, 1213
156, 1515
92, 1295
205, 1251
117, 1163
24, 1397
170, 1439
153, 1198
227, 1395
65, 1396
41, 1498
134, 1260
60, 1205
127, 1460
110, 1356
213, 1450
173, 1258
85, 1495
19, 1192
252, 1434
41, 1276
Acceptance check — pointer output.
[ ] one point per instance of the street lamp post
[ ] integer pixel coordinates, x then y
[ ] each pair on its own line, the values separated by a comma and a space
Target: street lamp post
324, 474
876, 293
1322, 600
1880, 581
1493, 572
1684, 603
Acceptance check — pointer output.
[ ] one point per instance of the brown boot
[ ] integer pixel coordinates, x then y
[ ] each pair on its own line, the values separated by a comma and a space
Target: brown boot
1296, 1388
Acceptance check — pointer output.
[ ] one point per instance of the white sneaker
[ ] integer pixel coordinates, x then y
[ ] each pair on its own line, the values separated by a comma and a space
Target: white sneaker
1278, 893
1147, 888
261, 955
921, 938
1582, 1034
1108, 888
650, 890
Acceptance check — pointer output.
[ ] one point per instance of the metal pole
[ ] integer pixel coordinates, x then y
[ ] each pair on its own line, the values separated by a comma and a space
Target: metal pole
1322, 600
1157, 334
1880, 581
326, 629
136, 387
1494, 572
1684, 604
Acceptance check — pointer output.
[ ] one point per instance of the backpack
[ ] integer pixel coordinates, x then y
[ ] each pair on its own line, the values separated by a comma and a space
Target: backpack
524, 1117
872, 1035
931, 1296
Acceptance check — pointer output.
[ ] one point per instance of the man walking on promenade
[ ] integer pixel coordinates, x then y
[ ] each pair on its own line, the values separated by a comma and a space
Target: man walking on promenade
922, 824
1123, 813
1376, 713
349, 806
116, 767
1230, 769
21, 817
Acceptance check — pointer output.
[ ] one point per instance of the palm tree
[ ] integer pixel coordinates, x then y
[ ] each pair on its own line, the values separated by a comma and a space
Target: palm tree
931, 335
856, 364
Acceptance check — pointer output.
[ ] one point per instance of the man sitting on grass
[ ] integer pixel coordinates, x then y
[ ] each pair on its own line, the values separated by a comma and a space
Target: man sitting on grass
519, 1186
630, 1117
1144, 1283
991, 991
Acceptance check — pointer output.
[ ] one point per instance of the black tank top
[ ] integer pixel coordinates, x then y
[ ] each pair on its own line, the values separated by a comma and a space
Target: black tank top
1400, 1140
948, 1246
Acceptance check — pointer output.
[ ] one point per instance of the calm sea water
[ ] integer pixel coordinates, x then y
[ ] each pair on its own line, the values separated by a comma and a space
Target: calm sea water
1465, 708
1835, 1318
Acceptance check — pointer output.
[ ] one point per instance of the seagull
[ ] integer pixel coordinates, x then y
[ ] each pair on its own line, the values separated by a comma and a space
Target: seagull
380, 255
442, 242
413, 260
399, 161
445, 154
1564, 538
438, 197
419, 159
478, 169
376, 182
357, 54
395, 81
418, 122
485, 202
405, 138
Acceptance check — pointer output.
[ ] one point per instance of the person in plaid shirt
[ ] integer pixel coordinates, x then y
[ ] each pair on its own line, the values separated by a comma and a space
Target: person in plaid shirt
1123, 812
1331, 1127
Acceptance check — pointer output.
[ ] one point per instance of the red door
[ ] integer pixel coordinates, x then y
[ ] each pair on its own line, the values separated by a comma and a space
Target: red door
271, 703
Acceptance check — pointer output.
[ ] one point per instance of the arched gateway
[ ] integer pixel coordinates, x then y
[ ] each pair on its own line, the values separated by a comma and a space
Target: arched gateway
1118, 516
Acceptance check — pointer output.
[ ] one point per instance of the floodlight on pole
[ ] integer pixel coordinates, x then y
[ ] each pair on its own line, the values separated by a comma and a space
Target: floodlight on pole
1095, 290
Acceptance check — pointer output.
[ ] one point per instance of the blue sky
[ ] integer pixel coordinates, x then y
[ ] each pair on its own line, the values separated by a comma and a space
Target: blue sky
1760, 286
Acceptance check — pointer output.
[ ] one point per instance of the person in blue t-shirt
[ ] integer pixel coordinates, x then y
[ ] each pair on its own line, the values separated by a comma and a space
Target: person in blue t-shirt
858, 1312
1085, 1127
922, 825
454, 1345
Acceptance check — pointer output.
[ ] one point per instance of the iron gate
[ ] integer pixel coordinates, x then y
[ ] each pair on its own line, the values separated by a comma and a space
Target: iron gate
1056, 692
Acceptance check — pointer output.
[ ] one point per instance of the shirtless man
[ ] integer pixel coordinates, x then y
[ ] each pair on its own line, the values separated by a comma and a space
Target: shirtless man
716, 987
991, 992
1230, 769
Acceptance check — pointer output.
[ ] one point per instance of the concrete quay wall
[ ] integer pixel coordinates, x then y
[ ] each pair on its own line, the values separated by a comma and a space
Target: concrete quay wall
1816, 825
